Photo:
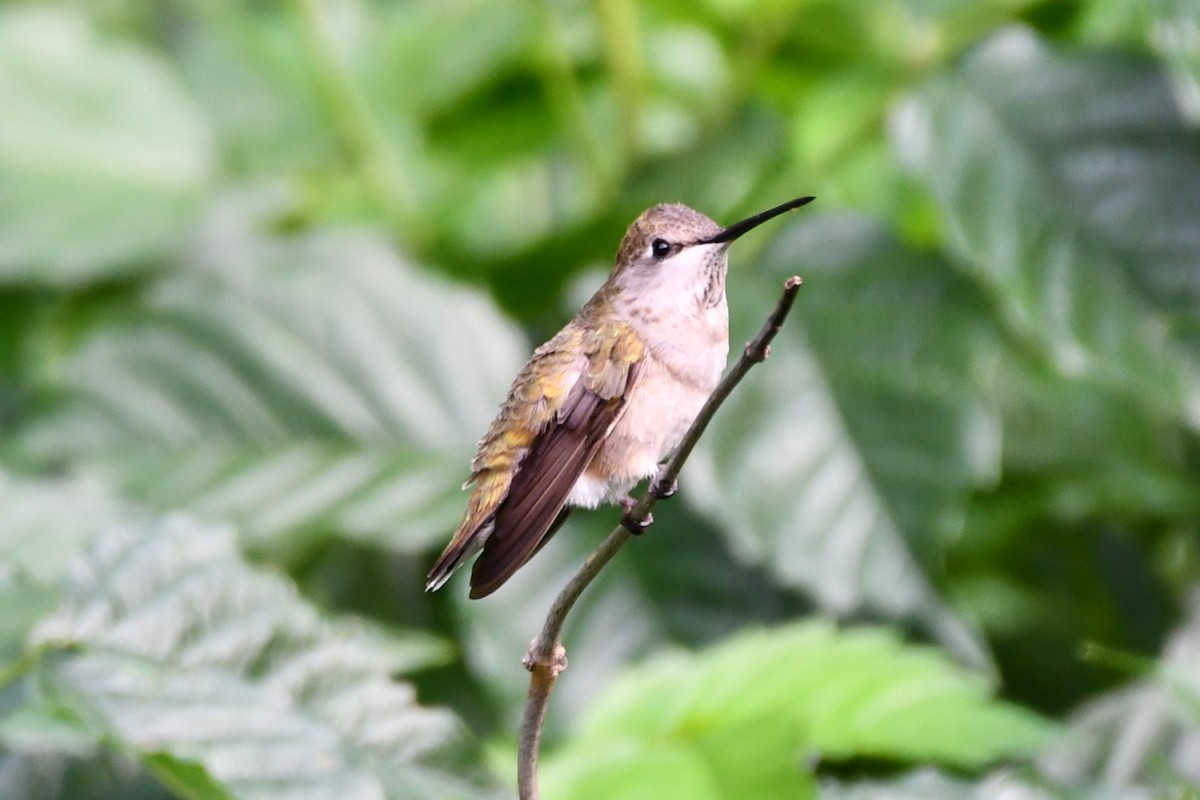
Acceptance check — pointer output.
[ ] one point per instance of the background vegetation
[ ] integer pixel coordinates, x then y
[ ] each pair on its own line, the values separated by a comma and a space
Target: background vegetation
266, 269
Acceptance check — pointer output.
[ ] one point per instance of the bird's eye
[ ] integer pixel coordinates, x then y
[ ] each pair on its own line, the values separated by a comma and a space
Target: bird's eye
660, 248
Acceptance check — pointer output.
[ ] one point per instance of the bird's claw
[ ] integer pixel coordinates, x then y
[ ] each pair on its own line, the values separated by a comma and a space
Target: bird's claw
635, 526
663, 489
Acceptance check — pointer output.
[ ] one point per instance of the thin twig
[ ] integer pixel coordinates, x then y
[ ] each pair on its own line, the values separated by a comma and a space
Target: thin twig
547, 657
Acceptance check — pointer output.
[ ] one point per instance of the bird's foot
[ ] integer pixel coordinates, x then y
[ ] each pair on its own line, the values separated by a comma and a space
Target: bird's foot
660, 488
556, 664
635, 526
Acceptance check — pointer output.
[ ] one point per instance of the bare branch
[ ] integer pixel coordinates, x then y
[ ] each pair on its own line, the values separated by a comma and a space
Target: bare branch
547, 657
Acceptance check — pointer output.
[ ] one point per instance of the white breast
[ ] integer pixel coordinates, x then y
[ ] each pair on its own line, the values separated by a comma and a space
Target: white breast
680, 370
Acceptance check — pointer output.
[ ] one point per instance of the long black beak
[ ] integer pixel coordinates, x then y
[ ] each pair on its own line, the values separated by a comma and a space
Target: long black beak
735, 230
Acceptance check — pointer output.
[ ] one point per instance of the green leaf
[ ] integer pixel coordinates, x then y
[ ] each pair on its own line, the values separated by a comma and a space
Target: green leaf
102, 155
185, 778
1095, 452
861, 437
220, 679
742, 717
294, 385
632, 770
1069, 186
408, 650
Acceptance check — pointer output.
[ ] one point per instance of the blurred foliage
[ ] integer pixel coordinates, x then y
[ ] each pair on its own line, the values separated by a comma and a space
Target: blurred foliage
851, 694
266, 269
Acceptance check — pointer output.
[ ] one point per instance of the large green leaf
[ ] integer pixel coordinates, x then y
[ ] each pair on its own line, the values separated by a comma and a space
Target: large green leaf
299, 384
102, 156
862, 435
1099, 450
225, 683
1070, 188
741, 719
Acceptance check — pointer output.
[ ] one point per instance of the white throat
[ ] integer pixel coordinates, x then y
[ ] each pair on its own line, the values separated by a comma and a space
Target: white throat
678, 307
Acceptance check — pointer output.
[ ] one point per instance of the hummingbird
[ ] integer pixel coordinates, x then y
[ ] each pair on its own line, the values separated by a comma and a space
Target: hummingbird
603, 402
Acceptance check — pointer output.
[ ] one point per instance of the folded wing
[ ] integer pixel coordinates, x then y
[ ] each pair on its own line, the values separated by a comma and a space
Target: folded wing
560, 409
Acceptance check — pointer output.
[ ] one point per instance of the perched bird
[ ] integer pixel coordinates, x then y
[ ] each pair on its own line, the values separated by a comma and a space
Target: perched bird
610, 396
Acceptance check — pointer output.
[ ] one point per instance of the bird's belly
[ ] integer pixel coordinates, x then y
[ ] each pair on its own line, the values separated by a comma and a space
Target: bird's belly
658, 413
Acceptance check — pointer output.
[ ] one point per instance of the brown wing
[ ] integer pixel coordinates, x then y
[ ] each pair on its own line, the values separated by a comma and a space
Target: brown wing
557, 412
527, 517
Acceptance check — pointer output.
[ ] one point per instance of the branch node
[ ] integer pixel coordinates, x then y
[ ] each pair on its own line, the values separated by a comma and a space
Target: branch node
535, 659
